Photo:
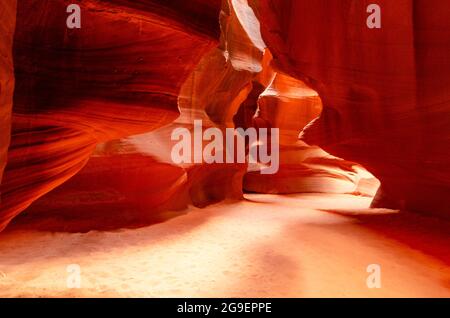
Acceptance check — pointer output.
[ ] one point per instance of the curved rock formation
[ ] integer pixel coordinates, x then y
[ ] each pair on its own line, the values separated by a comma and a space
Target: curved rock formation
289, 105
385, 91
119, 75
134, 176
94, 108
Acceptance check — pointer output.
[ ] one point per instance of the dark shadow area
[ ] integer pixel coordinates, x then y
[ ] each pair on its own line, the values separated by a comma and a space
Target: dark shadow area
429, 235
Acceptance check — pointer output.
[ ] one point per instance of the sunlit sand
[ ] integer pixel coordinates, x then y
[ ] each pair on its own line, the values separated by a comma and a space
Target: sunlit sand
265, 246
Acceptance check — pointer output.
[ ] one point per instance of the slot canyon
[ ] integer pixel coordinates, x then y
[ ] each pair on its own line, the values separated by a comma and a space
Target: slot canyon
87, 116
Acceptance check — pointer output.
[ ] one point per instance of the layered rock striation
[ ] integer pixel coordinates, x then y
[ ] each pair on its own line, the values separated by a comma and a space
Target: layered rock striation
384, 91
94, 108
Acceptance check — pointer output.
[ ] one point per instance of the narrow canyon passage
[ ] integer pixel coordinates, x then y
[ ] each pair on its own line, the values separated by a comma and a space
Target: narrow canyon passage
134, 148
265, 246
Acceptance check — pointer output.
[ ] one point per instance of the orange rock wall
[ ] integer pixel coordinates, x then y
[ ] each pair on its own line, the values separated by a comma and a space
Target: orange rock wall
94, 108
119, 75
385, 91
130, 177
7, 26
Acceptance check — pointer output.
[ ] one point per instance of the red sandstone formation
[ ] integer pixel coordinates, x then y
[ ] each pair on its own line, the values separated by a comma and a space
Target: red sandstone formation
120, 74
94, 108
290, 105
385, 91
133, 181
7, 23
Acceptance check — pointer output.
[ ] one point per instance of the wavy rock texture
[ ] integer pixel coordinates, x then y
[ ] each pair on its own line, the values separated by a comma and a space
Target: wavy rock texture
133, 181
290, 105
119, 75
7, 26
93, 114
94, 108
385, 92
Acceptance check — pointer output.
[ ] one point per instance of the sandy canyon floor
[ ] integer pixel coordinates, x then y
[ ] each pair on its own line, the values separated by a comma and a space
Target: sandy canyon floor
308, 245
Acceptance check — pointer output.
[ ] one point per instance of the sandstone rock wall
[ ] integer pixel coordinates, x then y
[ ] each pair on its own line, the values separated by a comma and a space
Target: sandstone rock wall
7, 26
119, 75
385, 91
130, 178
94, 108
